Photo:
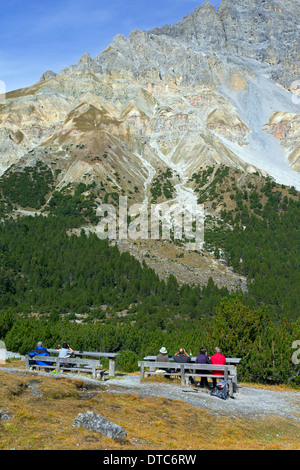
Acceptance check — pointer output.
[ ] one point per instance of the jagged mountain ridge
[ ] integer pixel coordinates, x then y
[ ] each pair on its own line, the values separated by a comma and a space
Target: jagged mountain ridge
263, 30
212, 89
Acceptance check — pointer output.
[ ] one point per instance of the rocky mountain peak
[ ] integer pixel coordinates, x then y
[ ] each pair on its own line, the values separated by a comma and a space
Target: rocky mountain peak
202, 27
47, 75
85, 59
202, 91
263, 30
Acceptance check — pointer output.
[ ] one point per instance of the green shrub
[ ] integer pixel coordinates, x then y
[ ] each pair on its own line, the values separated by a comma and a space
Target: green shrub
127, 362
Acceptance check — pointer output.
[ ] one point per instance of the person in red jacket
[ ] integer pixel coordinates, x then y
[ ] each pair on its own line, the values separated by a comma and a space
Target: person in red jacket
217, 359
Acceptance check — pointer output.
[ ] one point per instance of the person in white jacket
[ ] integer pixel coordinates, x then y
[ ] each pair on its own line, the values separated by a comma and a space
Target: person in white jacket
65, 351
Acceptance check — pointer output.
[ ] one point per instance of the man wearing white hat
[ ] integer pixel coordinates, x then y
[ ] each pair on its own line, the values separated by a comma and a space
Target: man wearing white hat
163, 355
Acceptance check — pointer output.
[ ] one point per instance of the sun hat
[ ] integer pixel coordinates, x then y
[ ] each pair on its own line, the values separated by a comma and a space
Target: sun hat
163, 350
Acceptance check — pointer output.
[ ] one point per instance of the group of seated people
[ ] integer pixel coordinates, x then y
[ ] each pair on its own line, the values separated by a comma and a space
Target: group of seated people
182, 356
40, 350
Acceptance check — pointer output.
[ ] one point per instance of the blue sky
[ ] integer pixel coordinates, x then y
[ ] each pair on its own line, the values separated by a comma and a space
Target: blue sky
36, 36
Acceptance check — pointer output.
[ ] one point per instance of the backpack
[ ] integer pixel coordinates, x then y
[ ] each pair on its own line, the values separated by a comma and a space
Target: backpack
221, 390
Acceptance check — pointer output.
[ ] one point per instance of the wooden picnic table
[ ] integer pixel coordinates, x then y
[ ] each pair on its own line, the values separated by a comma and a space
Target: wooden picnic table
188, 370
111, 356
230, 361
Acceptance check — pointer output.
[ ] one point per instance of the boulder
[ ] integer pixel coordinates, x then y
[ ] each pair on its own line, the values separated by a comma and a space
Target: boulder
96, 422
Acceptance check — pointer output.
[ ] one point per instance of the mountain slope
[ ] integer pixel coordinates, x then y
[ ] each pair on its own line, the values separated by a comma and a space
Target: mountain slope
204, 90
153, 112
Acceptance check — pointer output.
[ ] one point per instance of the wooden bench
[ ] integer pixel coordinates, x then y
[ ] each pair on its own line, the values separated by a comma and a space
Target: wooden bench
66, 363
109, 355
187, 370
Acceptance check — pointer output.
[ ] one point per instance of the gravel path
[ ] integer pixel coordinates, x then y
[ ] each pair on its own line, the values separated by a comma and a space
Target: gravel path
248, 401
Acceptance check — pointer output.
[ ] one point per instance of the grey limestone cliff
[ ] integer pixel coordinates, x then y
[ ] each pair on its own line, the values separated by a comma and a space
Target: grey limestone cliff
266, 31
215, 88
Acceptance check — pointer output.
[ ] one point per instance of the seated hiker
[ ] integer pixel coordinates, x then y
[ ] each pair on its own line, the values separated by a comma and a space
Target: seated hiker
39, 351
182, 356
163, 357
66, 351
217, 359
202, 358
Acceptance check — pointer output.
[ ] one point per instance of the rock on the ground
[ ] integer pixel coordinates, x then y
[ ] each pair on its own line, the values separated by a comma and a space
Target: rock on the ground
5, 416
96, 422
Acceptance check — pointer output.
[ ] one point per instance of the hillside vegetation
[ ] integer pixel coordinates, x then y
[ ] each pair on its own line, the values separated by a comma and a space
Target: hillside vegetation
50, 279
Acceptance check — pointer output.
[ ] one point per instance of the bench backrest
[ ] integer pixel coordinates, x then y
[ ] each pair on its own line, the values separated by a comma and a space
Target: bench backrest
229, 360
65, 360
188, 366
161, 365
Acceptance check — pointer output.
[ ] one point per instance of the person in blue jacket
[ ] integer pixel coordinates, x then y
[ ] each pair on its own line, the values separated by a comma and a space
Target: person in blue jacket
40, 351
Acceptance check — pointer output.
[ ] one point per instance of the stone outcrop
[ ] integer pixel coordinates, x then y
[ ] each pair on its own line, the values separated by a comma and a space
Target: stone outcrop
263, 30
47, 75
95, 422
286, 128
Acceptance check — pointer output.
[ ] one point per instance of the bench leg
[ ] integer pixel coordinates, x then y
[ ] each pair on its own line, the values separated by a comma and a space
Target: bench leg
230, 388
112, 368
234, 381
142, 371
182, 375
